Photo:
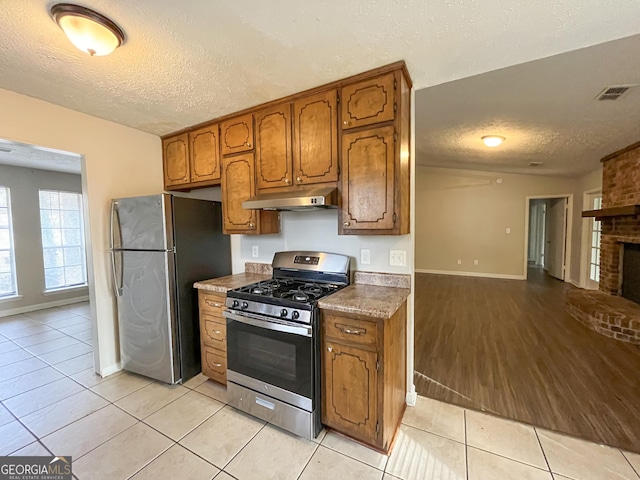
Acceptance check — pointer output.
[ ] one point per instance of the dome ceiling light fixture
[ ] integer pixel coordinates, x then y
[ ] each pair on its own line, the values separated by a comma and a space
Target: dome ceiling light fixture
89, 31
493, 141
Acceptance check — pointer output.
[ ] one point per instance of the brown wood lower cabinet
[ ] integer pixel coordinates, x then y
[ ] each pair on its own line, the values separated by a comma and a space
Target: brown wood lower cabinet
364, 375
213, 335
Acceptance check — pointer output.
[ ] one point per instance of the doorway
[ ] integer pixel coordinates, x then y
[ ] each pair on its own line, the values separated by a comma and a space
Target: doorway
45, 313
548, 237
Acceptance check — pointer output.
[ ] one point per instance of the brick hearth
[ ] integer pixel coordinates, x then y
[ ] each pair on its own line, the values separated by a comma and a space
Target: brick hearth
605, 311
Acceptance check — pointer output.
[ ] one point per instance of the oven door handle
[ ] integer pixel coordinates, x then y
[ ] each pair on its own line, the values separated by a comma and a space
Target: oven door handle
258, 322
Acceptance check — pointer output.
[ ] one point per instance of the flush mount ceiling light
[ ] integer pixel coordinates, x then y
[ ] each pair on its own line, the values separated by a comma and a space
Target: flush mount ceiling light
493, 140
89, 31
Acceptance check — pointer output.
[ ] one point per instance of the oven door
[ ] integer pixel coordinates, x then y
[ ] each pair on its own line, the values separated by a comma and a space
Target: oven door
271, 351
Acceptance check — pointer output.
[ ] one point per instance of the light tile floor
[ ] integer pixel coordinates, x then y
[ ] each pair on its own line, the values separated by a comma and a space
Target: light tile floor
126, 426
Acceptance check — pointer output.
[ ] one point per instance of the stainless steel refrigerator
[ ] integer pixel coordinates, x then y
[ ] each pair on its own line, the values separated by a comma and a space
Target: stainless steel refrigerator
160, 246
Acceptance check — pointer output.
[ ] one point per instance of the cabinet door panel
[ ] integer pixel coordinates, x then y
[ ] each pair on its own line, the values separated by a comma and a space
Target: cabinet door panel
368, 102
273, 147
204, 154
351, 385
315, 151
237, 186
237, 135
368, 179
176, 160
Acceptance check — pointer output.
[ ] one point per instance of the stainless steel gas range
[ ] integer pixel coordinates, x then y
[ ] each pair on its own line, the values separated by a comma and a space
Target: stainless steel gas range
273, 340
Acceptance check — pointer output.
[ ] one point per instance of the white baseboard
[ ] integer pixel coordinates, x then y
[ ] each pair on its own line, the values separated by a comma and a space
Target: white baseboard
471, 274
110, 370
42, 306
576, 284
411, 398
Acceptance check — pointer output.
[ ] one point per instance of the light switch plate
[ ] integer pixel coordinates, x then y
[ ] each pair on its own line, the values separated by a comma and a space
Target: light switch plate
397, 258
254, 251
365, 256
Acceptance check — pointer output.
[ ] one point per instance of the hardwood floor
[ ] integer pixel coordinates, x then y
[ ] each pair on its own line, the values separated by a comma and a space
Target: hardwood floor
509, 347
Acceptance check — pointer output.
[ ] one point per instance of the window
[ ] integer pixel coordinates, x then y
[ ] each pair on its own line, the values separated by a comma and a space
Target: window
596, 230
7, 263
62, 239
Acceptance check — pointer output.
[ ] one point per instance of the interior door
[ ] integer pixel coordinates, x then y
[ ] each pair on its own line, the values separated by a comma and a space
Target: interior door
555, 237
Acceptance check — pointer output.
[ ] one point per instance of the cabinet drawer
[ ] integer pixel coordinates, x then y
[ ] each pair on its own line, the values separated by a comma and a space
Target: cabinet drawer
211, 303
213, 331
214, 364
350, 330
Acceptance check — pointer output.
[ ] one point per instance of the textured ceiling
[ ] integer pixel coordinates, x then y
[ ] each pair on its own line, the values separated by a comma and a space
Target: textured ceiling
546, 109
28, 156
188, 61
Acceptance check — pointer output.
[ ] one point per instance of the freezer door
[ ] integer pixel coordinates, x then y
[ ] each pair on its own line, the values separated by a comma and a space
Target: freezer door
142, 223
146, 315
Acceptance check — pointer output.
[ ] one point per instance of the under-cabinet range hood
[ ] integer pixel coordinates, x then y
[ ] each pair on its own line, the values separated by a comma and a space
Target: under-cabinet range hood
298, 199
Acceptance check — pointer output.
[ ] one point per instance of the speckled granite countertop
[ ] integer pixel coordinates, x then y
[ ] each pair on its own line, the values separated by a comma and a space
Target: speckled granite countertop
371, 300
223, 284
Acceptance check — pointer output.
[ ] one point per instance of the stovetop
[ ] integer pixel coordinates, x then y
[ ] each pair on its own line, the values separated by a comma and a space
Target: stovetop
300, 278
299, 291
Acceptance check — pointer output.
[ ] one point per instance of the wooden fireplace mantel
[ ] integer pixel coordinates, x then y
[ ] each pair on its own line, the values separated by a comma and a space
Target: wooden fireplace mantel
627, 210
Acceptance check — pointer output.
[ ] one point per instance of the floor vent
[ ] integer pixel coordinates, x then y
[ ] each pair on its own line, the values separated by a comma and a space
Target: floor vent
535, 164
614, 92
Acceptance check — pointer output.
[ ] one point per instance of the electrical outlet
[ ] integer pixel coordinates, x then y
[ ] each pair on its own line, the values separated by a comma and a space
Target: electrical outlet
397, 258
475, 262
365, 256
459, 262
508, 230
254, 251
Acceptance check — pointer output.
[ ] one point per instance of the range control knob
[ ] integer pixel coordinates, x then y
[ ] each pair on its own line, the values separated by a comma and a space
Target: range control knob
235, 304
245, 305
295, 315
283, 312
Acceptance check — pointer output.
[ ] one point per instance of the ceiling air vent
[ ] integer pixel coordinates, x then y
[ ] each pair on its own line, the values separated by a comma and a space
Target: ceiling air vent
5, 149
535, 164
614, 92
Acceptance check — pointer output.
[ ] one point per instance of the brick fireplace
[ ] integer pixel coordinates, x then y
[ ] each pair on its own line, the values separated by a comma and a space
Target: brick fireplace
605, 310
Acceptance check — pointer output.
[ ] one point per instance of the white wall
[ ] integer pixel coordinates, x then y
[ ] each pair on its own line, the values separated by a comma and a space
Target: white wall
464, 214
24, 184
118, 161
318, 230
589, 182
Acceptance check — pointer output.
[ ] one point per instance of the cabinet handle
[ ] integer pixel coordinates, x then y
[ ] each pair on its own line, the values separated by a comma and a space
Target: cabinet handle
346, 122
251, 225
352, 332
248, 144
298, 179
346, 224
216, 364
286, 180
217, 332
330, 349
212, 304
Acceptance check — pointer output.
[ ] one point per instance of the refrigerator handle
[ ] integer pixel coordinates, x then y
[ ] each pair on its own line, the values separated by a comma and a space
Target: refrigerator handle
117, 289
114, 207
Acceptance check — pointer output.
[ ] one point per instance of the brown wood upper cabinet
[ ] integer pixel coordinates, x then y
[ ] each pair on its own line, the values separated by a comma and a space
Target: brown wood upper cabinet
238, 185
364, 375
204, 154
375, 169
368, 102
236, 134
273, 147
192, 159
315, 138
175, 152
